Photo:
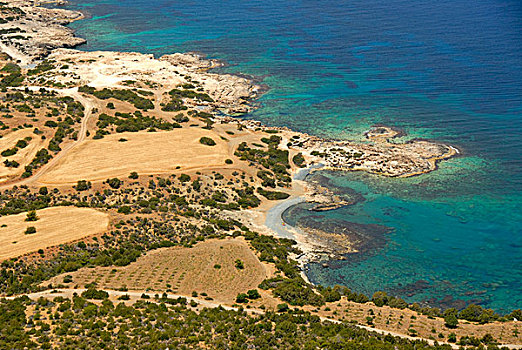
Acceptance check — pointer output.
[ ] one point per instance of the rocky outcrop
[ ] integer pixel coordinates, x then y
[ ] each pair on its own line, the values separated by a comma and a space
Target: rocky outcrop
30, 33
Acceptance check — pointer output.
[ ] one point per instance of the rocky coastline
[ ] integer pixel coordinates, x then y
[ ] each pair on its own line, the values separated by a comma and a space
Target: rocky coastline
30, 32
35, 34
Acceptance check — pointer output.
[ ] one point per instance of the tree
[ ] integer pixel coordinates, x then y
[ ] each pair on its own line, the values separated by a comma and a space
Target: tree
133, 175
31, 216
83, 185
450, 318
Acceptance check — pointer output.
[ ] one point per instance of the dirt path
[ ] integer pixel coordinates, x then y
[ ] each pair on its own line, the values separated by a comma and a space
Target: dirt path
68, 293
82, 134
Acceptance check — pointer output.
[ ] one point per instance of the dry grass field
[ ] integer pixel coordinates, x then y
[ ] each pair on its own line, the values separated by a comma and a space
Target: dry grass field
23, 156
143, 152
207, 267
55, 226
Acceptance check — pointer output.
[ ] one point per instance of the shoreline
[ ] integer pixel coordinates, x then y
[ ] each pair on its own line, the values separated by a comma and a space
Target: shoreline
234, 94
317, 242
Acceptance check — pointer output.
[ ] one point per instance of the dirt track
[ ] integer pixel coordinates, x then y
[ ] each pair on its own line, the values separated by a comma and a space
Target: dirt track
88, 105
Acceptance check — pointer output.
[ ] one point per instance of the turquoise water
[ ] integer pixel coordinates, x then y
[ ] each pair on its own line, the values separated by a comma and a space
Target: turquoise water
444, 70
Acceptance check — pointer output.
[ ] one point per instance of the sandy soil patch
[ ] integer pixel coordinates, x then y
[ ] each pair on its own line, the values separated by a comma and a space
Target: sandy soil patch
55, 226
145, 153
183, 270
24, 155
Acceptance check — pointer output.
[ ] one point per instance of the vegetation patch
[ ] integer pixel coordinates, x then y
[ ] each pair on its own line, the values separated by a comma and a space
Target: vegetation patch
207, 141
119, 94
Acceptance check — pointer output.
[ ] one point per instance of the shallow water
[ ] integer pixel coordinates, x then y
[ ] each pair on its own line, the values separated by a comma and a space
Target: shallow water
447, 70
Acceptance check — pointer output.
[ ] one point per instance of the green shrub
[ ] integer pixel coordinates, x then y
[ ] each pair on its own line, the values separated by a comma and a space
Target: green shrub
83, 185
253, 294
272, 195
239, 264
124, 209
242, 298
207, 141
114, 183
299, 160
93, 293
30, 230
31, 216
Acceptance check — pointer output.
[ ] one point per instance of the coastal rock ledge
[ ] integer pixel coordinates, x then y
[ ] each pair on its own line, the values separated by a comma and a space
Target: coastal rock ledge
29, 32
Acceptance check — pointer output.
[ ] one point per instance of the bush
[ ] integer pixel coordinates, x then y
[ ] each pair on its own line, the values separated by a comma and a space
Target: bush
272, 195
294, 291
31, 216
242, 298
11, 163
299, 160
282, 307
253, 294
450, 318
330, 294
67, 279
30, 230
207, 141
476, 313
83, 185
184, 178
122, 95
93, 293
9, 152
380, 298
124, 209
114, 182
239, 264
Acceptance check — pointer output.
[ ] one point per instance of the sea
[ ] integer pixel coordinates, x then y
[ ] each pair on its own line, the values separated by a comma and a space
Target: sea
449, 71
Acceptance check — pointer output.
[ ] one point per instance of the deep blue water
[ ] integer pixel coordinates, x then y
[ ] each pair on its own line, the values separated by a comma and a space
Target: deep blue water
446, 70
